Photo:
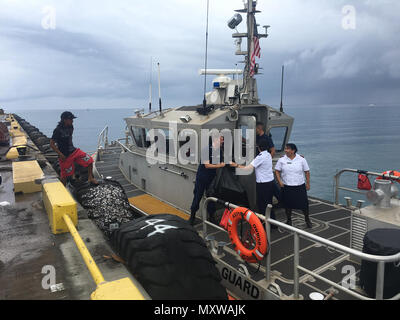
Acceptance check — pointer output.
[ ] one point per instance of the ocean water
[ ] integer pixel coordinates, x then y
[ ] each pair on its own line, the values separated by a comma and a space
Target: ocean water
348, 136
87, 126
329, 137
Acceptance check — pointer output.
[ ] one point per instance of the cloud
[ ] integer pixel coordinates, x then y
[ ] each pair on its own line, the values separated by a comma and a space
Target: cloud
99, 52
342, 64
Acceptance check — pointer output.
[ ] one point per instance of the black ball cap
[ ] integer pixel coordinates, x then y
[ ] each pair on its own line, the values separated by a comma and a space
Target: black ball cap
67, 115
263, 144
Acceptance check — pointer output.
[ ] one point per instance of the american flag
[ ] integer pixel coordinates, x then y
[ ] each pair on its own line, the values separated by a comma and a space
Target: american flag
255, 50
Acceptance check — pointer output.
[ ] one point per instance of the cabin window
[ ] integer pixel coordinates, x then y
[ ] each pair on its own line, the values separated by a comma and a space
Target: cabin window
139, 135
182, 143
245, 138
147, 142
278, 136
168, 140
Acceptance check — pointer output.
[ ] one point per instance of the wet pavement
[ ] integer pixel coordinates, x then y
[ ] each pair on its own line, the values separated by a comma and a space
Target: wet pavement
32, 258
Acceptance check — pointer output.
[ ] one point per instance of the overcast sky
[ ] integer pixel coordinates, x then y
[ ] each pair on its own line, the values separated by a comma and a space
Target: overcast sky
96, 53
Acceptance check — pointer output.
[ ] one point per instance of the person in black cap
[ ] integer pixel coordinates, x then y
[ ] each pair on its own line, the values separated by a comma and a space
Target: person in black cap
61, 143
262, 136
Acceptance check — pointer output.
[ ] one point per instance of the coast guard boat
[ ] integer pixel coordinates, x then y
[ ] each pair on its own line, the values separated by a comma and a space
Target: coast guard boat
140, 208
321, 263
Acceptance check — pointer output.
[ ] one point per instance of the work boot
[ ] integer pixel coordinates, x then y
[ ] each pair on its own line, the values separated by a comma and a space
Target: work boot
308, 221
192, 218
192, 221
288, 216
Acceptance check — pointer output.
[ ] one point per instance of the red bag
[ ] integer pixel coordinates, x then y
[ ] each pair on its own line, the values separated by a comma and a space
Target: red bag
363, 182
225, 217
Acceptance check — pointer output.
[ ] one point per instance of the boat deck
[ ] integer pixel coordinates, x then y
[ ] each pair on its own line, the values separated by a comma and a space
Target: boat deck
329, 222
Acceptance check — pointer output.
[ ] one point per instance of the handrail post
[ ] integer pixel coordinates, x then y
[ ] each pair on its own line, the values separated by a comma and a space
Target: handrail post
380, 280
295, 265
103, 138
268, 229
204, 215
337, 181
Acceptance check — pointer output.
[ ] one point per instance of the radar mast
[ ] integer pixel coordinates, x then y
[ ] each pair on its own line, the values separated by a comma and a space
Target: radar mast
248, 90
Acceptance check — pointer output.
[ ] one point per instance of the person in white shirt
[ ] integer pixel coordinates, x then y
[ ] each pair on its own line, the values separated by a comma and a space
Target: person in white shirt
290, 171
262, 164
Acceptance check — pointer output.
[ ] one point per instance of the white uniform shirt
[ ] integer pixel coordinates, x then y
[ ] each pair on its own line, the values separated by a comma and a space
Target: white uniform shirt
263, 166
292, 171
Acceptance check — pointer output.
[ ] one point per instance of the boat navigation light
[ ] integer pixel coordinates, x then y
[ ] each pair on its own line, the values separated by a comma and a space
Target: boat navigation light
235, 21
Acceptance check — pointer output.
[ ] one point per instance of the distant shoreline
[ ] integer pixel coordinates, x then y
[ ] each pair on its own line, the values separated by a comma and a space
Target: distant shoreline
368, 105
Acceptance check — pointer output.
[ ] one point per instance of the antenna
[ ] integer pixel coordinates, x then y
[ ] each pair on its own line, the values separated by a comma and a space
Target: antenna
151, 84
283, 70
250, 31
206, 59
159, 88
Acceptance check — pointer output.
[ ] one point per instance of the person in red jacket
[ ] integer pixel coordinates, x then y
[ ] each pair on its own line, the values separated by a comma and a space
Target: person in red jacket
61, 143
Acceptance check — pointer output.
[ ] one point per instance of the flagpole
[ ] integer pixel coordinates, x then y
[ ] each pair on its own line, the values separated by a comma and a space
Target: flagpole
250, 47
249, 36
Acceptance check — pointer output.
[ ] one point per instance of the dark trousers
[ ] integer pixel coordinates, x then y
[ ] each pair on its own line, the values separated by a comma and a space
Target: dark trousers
202, 184
265, 191
277, 192
288, 212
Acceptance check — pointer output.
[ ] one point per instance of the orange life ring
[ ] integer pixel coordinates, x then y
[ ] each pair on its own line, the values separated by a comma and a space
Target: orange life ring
257, 231
391, 173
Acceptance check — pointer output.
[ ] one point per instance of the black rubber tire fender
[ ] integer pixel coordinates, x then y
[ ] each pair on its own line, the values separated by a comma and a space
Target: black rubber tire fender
174, 263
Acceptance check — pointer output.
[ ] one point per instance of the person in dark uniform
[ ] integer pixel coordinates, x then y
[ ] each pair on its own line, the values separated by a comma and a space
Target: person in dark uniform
261, 135
205, 175
290, 171
61, 143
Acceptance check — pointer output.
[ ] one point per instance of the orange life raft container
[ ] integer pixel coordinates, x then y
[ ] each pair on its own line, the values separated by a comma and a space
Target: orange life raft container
386, 174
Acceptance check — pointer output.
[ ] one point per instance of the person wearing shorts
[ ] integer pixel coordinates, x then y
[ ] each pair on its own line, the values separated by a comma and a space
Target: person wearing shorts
61, 143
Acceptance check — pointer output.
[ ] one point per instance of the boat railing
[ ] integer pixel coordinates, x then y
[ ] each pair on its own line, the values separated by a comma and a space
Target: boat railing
338, 187
380, 260
103, 139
